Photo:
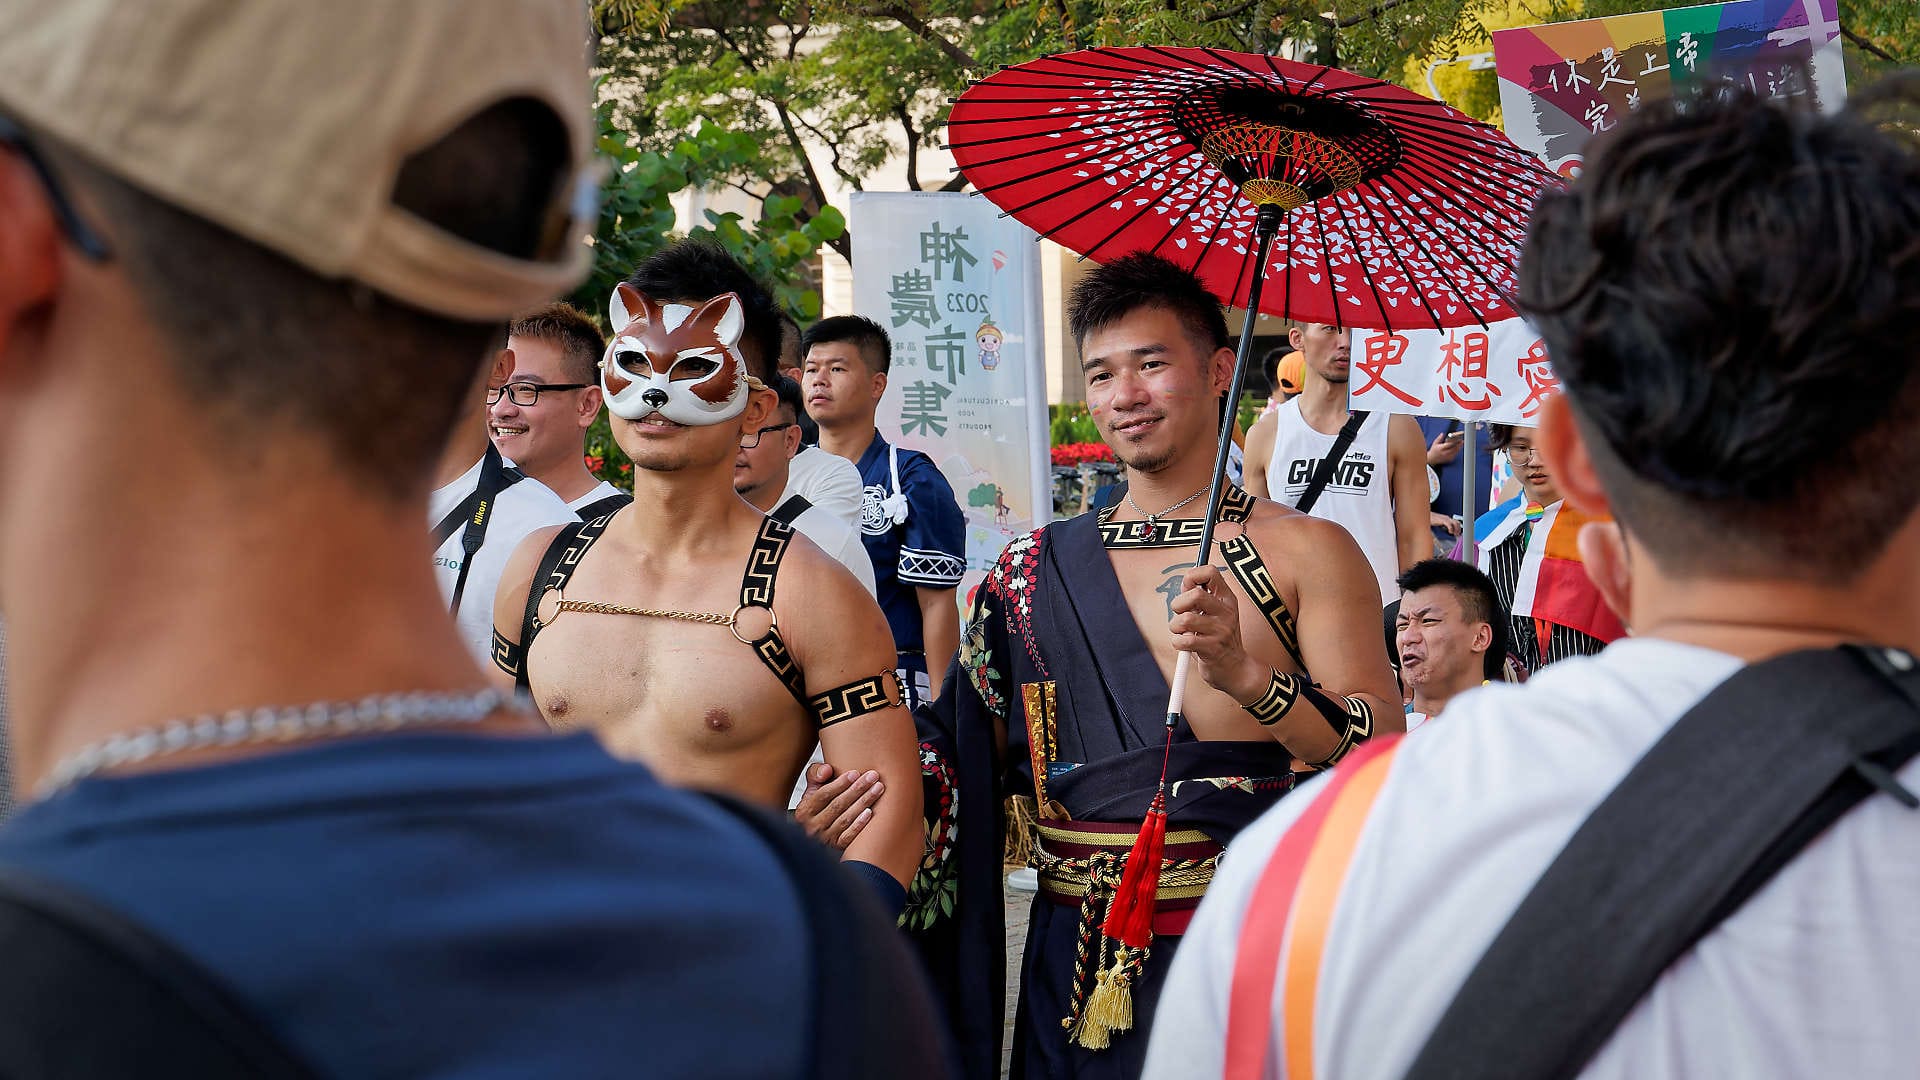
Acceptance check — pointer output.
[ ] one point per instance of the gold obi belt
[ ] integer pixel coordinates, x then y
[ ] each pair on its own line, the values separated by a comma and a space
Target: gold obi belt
1073, 857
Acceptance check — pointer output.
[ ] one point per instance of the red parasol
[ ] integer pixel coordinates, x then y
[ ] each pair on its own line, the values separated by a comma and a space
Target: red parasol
1397, 211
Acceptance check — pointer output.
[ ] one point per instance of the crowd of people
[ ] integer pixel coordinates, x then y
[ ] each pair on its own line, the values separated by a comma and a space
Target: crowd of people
309, 790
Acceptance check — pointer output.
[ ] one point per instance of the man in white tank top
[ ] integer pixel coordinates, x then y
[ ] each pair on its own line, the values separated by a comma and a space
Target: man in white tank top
1377, 491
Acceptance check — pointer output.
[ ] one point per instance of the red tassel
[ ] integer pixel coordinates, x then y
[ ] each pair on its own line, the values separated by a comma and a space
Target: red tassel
1130, 919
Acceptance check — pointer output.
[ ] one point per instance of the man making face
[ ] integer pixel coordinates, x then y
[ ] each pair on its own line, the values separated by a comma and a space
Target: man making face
689, 630
539, 418
1448, 634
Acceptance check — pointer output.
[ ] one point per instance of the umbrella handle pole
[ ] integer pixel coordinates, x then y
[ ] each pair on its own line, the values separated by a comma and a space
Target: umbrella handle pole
1265, 225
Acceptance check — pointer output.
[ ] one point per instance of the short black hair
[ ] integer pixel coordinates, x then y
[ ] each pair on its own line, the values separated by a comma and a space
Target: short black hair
694, 271
1479, 602
866, 336
1730, 293
1142, 280
568, 329
270, 347
789, 394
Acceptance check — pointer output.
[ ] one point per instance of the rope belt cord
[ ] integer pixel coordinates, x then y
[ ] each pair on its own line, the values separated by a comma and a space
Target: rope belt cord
1095, 1013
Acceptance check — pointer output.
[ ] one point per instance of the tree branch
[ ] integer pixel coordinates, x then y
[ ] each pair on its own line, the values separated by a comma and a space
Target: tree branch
913, 146
842, 245
917, 26
1370, 14
1869, 46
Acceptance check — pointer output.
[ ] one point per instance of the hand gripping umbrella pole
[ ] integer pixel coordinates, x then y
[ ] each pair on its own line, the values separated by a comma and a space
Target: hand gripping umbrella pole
1130, 919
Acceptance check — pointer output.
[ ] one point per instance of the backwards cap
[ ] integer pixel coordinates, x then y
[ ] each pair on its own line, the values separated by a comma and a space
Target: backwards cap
287, 121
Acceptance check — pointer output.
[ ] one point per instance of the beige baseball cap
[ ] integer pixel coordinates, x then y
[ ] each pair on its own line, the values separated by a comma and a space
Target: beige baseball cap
287, 121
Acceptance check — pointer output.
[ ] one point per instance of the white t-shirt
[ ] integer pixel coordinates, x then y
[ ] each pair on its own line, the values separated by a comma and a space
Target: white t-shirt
830, 482
1358, 497
524, 507
600, 491
1816, 976
836, 538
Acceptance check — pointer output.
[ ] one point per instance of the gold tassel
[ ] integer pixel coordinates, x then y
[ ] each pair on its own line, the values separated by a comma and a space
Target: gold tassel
1021, 831
1110, 1007
1094, 1033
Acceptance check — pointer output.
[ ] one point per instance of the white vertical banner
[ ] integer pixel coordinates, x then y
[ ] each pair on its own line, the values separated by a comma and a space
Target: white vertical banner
957, 287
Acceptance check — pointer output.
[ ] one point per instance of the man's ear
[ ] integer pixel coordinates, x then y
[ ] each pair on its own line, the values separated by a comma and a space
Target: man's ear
1295, 336
1221, 365
879, 385
30, 240
760, 408
1569, 459
792, 435
590, 402
1482, 639
502, 369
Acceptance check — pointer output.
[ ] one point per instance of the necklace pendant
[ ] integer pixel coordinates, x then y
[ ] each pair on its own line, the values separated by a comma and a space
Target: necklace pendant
1145, 529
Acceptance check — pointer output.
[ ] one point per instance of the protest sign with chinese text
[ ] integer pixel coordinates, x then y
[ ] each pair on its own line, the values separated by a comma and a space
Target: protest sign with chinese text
1499, 374
1562, 83
957, 287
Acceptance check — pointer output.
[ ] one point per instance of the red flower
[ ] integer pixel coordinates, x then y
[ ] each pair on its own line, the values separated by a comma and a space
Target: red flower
595, 463
1072, 454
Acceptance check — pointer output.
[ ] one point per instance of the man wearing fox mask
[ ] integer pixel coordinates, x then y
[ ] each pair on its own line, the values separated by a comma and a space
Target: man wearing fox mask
689, 630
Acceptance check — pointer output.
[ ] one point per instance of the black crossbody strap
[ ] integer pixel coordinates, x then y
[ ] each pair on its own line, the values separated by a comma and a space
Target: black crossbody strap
1323, 473
143, 1007
604, 505
787, 512
1733, 791
477, 509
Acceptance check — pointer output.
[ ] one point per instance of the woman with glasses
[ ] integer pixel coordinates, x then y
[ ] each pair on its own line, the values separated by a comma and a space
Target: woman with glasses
1504, 554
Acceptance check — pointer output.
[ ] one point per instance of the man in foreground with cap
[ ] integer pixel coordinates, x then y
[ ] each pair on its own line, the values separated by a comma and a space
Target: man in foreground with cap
247, 730
1692, 854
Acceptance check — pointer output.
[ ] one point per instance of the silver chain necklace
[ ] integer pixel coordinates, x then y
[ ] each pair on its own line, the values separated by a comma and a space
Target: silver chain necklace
1146, 527
290, 723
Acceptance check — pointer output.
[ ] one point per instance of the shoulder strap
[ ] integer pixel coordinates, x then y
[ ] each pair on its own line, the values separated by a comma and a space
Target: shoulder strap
478, 508
756, 590
1324, 472
870, 1011
788, 512
143, 1005
556, 568
603, 506
1733, 792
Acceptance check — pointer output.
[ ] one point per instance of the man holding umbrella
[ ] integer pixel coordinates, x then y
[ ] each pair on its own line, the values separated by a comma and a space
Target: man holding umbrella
1071, 645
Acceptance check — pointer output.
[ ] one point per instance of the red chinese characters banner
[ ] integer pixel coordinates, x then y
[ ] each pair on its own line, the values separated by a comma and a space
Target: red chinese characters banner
1498, 374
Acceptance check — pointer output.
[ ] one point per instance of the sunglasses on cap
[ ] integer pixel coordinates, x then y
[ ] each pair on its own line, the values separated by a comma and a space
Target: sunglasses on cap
90, 243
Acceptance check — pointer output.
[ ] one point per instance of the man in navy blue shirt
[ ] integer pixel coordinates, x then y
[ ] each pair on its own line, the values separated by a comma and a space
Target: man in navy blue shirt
912, 526
242, 719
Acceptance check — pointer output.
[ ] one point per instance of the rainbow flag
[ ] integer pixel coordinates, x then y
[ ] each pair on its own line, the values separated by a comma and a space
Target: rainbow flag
1562, 83
1553, 585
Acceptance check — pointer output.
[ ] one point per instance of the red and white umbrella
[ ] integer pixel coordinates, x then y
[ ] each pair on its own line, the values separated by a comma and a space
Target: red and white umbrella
1395, 211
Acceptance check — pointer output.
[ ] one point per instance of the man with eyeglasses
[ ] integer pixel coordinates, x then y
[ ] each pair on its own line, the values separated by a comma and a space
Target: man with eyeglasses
760, 476
539, 420
481, 508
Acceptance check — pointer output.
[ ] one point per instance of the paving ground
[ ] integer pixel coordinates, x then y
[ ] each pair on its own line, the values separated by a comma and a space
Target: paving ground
1019, 903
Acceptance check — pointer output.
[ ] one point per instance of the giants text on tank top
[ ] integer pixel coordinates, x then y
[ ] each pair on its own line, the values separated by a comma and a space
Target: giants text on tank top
1358, 497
